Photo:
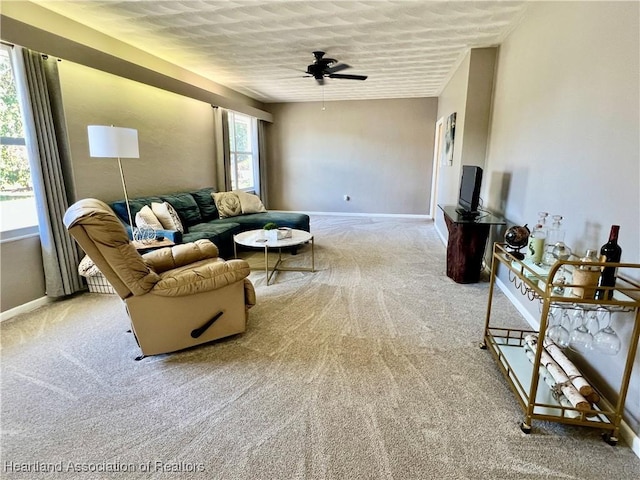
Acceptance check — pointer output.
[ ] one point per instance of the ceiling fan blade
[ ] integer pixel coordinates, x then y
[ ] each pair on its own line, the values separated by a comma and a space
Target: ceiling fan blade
337, 68
349, 77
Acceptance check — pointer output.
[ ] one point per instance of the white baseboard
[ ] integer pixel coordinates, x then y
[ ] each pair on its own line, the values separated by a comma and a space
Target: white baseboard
441, 235
24, 308
630, 437
626, 432
348, 214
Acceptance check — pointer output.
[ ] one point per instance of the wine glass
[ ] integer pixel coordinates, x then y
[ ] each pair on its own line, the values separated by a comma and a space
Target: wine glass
581, 339
606, 341
577, 318
558, 332
592, 323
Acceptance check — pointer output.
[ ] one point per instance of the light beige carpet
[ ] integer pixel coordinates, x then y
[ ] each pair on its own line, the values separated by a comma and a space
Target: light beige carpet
367, 369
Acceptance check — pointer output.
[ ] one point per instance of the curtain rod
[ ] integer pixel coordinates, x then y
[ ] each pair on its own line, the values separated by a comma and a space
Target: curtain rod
44, 55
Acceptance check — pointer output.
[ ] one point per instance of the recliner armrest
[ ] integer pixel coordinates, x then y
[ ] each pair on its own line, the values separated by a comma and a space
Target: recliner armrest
168, 258
203, 276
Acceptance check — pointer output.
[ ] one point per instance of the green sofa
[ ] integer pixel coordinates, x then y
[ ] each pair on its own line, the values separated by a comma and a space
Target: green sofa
200, 218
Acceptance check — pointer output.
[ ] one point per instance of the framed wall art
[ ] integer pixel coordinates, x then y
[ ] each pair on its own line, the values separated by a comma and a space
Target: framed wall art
449, 136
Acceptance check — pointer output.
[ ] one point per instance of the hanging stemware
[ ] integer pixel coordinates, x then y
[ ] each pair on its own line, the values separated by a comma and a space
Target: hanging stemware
592, 323
607, 341
558, 332
581, 339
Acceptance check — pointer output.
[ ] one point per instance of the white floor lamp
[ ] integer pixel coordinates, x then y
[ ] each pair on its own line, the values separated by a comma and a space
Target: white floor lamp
114, 142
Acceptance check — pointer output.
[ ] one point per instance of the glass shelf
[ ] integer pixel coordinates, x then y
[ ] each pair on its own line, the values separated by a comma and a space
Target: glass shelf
534, 280
507, 345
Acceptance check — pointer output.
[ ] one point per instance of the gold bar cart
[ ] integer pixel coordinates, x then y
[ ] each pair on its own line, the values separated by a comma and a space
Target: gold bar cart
507, 344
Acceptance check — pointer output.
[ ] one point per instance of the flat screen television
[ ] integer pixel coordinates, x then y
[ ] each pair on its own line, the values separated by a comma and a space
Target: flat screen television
469, 198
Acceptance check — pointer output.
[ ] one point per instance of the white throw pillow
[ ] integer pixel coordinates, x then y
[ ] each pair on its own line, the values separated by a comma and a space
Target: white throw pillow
146, 218
168, 216
250, 203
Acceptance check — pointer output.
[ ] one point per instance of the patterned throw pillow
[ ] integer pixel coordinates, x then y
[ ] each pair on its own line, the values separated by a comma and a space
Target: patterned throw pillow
87, 268
146, 218
250, 203
168, 216
228, 204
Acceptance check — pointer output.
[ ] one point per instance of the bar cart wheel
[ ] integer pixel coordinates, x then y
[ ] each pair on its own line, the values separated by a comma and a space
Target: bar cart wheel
525, 428
610, 439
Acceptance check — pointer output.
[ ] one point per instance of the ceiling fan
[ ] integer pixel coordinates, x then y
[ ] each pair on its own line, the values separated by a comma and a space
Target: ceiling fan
323, 68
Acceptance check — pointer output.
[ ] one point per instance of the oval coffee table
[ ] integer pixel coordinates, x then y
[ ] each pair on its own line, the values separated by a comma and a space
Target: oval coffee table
256, 239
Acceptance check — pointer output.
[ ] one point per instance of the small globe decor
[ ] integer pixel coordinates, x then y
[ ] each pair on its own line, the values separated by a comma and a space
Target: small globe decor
516, 238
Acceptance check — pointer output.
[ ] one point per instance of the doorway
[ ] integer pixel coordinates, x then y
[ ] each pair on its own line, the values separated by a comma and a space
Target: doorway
437, 156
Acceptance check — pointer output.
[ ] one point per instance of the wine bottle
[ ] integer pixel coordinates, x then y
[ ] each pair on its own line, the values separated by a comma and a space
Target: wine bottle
610, 253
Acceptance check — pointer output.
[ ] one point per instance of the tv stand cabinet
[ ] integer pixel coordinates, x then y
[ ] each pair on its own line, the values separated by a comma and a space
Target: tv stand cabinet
467, 241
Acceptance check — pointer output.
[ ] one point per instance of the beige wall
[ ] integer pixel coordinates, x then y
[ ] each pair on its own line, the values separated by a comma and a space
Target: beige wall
478, 106
175, 135
379, 152
565, 137
468, 93
21, 272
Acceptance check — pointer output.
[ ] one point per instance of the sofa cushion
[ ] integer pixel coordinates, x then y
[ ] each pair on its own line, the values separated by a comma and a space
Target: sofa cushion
186, 206
204, 199
220, 233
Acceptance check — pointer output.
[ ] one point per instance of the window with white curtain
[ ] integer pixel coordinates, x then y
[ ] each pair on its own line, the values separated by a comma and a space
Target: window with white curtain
18, 215
243, 151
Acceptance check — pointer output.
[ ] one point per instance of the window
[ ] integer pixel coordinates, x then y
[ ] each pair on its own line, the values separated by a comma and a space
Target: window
17, 203
243, 149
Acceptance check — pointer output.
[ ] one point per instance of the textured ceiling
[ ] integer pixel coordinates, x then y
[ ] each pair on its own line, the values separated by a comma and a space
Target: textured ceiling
261, 48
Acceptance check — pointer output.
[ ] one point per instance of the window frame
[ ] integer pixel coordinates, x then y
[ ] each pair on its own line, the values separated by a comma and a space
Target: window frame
22, 231
253, 152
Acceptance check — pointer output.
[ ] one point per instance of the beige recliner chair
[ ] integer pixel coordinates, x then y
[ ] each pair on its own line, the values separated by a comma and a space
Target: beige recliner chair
177, 296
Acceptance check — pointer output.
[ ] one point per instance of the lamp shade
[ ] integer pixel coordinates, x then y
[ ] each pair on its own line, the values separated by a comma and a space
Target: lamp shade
113, 142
